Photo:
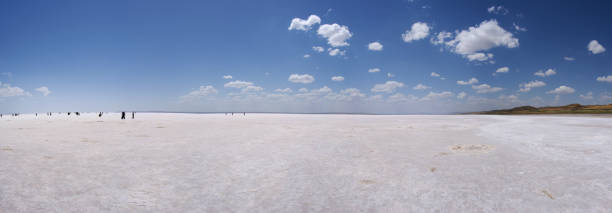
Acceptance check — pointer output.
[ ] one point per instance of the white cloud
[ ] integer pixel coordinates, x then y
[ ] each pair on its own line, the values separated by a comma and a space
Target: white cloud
526, 87
471, 81
227, 77
461, 95
7, 91
480, 56
251, 88
605, 79
502, 70
375, 46
238, 84
441, 38
335, 34
372, 70
302, 90
388, 87
562, 90
201, 92
485, 88
337, 78
435, 95
434, 74
588, 96
519, 28
304, 25
334, 52
485, 36
498, 10
568, 58
44, 90
546, 73
304, 79
286, 90
398, 97
418, 31
420, 87
306, 56
595, 47
318, 49
351, 93
390, 75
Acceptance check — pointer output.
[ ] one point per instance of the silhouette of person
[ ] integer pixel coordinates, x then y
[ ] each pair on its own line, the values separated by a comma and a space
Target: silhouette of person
132, 115
68, 113
100, 114
122, 115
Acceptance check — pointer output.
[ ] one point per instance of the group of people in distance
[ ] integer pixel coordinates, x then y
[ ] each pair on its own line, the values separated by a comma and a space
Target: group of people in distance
244, 113
76, 113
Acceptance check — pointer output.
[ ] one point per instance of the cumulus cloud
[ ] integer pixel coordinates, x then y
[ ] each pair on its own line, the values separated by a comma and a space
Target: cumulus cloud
375, 46
434, 74
588, 96
387, 87
435, 95
498, 10
605, 79
480, 56
304, 25
304, 78
546, 73
390, 75
418, 31
335, 34
461, 95
372, 70
485, 88
468, 82
562, 90
595, 47
203, 91
303, 90
526, 87
44, 90
337, 78
502, 70
482, 37
441, 38
318, 49
568, 58
227, 77
306, 56
421, 87
334, 52
238, 84
286, 90
6, 90
251, 88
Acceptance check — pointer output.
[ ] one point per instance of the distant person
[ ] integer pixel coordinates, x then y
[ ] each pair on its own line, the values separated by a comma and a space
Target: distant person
68, 113
36, 114
132, 115
100, 115
122, 115
232, 113
244, 113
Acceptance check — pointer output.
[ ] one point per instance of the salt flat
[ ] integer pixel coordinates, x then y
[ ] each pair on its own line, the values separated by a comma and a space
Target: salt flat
305, 163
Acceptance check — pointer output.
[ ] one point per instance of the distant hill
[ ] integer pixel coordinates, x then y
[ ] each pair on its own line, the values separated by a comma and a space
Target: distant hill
568, 109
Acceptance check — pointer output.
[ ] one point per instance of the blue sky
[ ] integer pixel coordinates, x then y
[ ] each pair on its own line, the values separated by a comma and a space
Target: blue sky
173, 55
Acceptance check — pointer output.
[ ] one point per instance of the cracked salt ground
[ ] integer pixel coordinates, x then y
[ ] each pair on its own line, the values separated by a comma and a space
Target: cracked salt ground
307, 163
